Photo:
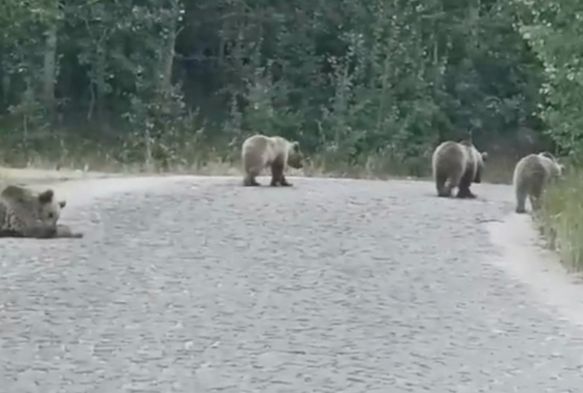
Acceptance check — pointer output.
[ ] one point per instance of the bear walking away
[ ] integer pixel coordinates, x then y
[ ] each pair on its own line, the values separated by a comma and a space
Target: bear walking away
457, 164
532, 174
260, 151
24, 213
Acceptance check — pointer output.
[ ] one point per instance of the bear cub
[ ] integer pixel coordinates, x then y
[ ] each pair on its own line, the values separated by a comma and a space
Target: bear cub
260, 151
531, 177
457, 164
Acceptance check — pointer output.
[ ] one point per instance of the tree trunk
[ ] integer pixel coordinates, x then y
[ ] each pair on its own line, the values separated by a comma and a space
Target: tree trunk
50, 66
167, 59
5, 83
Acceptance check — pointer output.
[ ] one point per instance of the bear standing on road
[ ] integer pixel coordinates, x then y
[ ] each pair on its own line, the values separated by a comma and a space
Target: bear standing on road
260, 151
532, 174
24, 213
457, 164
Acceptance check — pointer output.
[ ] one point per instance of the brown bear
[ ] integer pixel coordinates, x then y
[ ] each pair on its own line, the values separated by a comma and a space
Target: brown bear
260, 151
532, 174
24, 213
457, 164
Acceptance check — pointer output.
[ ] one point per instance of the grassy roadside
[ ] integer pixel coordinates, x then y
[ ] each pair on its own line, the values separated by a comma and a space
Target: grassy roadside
68, 161
373, 169
561, 219
196, 155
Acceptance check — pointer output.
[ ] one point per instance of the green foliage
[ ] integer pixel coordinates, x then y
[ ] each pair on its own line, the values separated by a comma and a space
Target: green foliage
554, 29
349, 80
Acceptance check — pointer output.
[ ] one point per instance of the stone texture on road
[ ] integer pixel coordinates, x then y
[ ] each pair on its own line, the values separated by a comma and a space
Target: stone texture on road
193, 285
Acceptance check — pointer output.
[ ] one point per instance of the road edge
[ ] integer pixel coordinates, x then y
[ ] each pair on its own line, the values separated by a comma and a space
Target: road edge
525, 259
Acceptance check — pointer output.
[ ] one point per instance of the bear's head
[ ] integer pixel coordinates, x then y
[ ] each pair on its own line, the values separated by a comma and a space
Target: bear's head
295, 158
547, 155
48, 208
557, 168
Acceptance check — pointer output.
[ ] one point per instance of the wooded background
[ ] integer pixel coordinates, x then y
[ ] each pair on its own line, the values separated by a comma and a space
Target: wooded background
170, 82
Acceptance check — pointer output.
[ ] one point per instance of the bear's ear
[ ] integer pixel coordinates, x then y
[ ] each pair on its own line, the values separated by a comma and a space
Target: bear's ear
46, 196
296, 146
548, 155
62, 204
484, 156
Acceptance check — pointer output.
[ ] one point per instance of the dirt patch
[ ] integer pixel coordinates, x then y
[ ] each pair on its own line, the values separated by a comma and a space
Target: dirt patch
526, 260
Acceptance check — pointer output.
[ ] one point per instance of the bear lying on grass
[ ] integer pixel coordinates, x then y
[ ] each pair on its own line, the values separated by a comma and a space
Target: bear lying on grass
457, 164
24, 213
532, 174
260, 151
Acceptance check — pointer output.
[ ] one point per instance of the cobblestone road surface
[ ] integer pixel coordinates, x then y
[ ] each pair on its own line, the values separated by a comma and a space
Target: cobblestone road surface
331, 286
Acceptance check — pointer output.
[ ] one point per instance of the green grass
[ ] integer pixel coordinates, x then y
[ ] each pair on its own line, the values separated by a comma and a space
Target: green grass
561, 219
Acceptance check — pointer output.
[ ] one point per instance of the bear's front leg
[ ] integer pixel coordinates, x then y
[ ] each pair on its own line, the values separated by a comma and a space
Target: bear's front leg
277, 174
39, 231
65, 232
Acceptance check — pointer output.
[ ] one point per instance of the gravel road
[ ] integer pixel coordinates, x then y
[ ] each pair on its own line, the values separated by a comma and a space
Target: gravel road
339, 286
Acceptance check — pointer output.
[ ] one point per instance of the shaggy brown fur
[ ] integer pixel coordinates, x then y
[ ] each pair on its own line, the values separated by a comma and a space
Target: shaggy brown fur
532, 174
260, 151
457, 164
24, 213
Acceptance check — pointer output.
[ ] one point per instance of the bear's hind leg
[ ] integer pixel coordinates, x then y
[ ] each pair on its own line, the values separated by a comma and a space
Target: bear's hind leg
520, 207
442, 186
464, 186
535, 195
465, 192
249, 181
520, 200
65, 232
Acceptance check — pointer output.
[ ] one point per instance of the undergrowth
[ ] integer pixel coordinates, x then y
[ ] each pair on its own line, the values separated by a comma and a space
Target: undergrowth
561, 219
192, 155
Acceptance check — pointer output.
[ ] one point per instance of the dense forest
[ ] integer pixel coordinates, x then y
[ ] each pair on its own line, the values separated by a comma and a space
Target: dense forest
171, 82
